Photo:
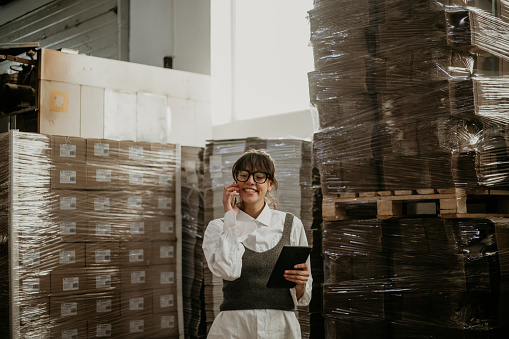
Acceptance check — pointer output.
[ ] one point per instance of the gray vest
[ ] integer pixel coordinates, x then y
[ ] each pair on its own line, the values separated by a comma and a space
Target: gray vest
248, 292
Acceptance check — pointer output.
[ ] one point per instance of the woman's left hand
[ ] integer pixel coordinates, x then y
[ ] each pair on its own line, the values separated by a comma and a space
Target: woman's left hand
299, 276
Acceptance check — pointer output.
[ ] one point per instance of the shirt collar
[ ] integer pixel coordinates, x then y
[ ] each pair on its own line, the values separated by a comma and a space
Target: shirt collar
263, 218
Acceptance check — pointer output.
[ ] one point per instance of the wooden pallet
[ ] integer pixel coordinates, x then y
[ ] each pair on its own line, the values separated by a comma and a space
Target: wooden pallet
447, 203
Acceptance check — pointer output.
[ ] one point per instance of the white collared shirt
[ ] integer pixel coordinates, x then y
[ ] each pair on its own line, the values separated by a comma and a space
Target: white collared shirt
223, 249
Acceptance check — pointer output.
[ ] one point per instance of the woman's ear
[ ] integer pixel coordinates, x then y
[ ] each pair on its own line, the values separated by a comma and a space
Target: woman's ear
270, 185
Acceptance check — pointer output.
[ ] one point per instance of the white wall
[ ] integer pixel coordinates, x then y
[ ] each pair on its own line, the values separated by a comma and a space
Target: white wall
17, 8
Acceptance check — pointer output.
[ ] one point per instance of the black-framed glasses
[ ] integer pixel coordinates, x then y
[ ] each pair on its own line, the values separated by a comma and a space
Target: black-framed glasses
258, 177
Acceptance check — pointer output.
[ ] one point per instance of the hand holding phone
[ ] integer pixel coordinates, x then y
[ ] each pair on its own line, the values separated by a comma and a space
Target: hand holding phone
230, 194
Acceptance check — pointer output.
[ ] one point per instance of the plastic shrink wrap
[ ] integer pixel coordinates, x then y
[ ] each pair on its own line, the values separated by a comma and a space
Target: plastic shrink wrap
89, 238
412, 96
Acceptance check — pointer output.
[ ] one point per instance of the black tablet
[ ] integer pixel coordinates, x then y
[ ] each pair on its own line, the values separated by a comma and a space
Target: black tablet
288, 258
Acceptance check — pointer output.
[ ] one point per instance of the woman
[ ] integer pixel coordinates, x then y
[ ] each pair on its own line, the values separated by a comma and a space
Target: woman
242, 248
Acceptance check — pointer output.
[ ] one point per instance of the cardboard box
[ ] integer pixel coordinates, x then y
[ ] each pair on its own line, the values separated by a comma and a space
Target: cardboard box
164, 300
70, 228
102, 151
102, 176
64, 202
68, 149
34, 311
71, 329
138, 326
68, 176
103, 328
136, 302
104, 230
163, 203
69, 309
163, 276
134, 278
164, 179
68, 255
137, 229
103, 203
134, 202
162, 155
69, 282
35, 285
104, 305
134, 177
102, 254
164, 252
134, 153
103, 279
164, 325
162, 228
135, 253
36, 257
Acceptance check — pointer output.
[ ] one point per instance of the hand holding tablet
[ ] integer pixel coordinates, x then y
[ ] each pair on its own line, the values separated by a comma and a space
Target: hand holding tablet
288, 258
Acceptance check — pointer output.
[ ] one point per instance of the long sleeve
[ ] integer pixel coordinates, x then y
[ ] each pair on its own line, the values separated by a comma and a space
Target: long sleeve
298, 238
222, 247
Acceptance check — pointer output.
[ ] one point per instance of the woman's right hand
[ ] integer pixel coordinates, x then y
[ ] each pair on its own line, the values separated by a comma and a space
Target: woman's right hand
229, 193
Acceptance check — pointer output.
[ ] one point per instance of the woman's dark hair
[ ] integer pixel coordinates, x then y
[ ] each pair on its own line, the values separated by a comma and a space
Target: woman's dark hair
258, 160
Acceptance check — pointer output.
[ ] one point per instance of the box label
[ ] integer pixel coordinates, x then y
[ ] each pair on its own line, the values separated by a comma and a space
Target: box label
103, 175
31, 313
102, 229
67, 203
166, 252
68, 228
216, 164
101, 204
135, 178
103, 305
67, 257
166, 226
103, 330
67, 177
137, 228
31, 258
167, 321
67, 309
164, 203
101, 150
167, 278
135, 152
136, 304
102, 256
166, 155
166, 300
71, 284
70, 334
67, 151
134, 201
191, 174
136, 326
103, 281
31, 285
137, 277
165, 180
136, 255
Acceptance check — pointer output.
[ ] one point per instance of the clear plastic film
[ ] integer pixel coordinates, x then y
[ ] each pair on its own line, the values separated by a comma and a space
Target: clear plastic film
410, 94
92, 249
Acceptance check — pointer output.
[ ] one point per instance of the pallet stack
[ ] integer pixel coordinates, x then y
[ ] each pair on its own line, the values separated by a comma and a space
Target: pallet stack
413, 156
92, 228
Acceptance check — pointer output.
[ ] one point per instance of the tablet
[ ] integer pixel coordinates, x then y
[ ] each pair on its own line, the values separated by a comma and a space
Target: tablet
288, 258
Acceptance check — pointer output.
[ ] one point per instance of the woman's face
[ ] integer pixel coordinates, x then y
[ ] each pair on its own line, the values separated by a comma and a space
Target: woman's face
252, 192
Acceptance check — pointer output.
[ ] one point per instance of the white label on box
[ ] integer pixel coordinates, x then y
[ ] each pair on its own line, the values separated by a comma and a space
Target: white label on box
30, 230
166, 155
165, 180
71, 284
68, 228
137, 228
102, 256
167, 321
103, 175
30, 313
166, 226
136, 326
103, 281
67, 177
134, 201
164, 203
135, 255
67, 257
101, 150
103, 305
166, 300
67, 151
67, 309
166, 252
101, 204
216, 164
167, 278
103, 330
136, 304
31, 258
67, 203
135, 178
102, 229
137, 277
70, 334
135, 152
191, 174
31, 285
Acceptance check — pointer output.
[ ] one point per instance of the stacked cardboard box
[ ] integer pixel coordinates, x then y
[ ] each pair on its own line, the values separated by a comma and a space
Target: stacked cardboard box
100, 250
